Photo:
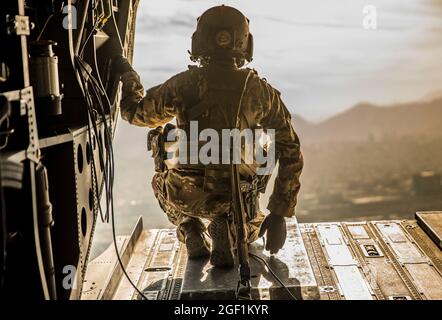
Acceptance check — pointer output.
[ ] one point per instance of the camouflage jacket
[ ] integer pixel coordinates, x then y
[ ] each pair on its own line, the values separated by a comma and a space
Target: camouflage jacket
163, 103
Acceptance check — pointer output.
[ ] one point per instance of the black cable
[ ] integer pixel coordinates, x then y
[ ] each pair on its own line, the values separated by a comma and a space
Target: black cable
44, 26
93, 120
108, 179
47, 21
76, 60
98, 86
108, 140
104, 163
93, 30
258, 258
98, 89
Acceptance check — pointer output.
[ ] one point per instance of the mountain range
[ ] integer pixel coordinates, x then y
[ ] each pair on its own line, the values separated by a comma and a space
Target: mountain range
366, 121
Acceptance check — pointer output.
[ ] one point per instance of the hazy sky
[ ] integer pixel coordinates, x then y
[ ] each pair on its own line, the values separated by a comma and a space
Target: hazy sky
315, 52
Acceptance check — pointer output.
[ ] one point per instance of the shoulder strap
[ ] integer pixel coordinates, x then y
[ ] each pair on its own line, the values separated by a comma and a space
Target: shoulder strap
236, 120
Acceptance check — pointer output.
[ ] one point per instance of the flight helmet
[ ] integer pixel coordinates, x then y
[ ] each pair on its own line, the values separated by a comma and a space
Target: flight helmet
222, 32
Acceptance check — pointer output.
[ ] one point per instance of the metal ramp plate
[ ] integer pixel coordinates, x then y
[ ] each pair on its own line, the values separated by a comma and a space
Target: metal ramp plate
417, 269
377, 266
431, 222
350, 280
291, 265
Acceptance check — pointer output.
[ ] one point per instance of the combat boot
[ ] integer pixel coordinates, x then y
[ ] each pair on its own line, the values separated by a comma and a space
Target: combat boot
191, 232
222, 243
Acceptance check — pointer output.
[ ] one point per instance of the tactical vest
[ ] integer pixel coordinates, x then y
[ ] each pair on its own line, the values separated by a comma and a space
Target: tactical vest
219, 109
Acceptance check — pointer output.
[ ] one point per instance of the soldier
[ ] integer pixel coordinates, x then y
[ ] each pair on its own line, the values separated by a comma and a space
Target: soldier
211, 93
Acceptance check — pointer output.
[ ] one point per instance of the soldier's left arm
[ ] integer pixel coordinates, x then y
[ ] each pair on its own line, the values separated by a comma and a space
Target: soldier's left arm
288, 153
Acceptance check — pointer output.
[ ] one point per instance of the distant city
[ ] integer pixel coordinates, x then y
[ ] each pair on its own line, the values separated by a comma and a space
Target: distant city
372, 163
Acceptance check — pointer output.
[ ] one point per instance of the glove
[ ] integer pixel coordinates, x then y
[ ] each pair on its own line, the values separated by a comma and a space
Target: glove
276, 230
120, 65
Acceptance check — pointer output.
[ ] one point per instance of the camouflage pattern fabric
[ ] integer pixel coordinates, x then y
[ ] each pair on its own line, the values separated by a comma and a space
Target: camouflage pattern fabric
194, 202
179, 191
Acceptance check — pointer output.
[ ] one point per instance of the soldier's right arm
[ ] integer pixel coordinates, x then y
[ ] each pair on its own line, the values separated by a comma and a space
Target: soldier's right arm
155, 108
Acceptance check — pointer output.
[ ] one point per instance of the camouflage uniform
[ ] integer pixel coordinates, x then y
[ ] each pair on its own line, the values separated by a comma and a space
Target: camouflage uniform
180, 191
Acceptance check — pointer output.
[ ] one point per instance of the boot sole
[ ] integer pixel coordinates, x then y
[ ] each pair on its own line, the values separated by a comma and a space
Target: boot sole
221, 255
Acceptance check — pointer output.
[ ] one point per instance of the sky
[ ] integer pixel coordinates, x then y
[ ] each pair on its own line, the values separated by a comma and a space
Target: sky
315, 52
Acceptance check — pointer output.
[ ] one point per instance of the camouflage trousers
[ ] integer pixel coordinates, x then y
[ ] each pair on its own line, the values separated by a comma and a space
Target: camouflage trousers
181, 197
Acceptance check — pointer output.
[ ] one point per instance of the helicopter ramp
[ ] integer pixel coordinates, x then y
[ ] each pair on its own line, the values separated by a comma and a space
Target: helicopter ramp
376, 260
